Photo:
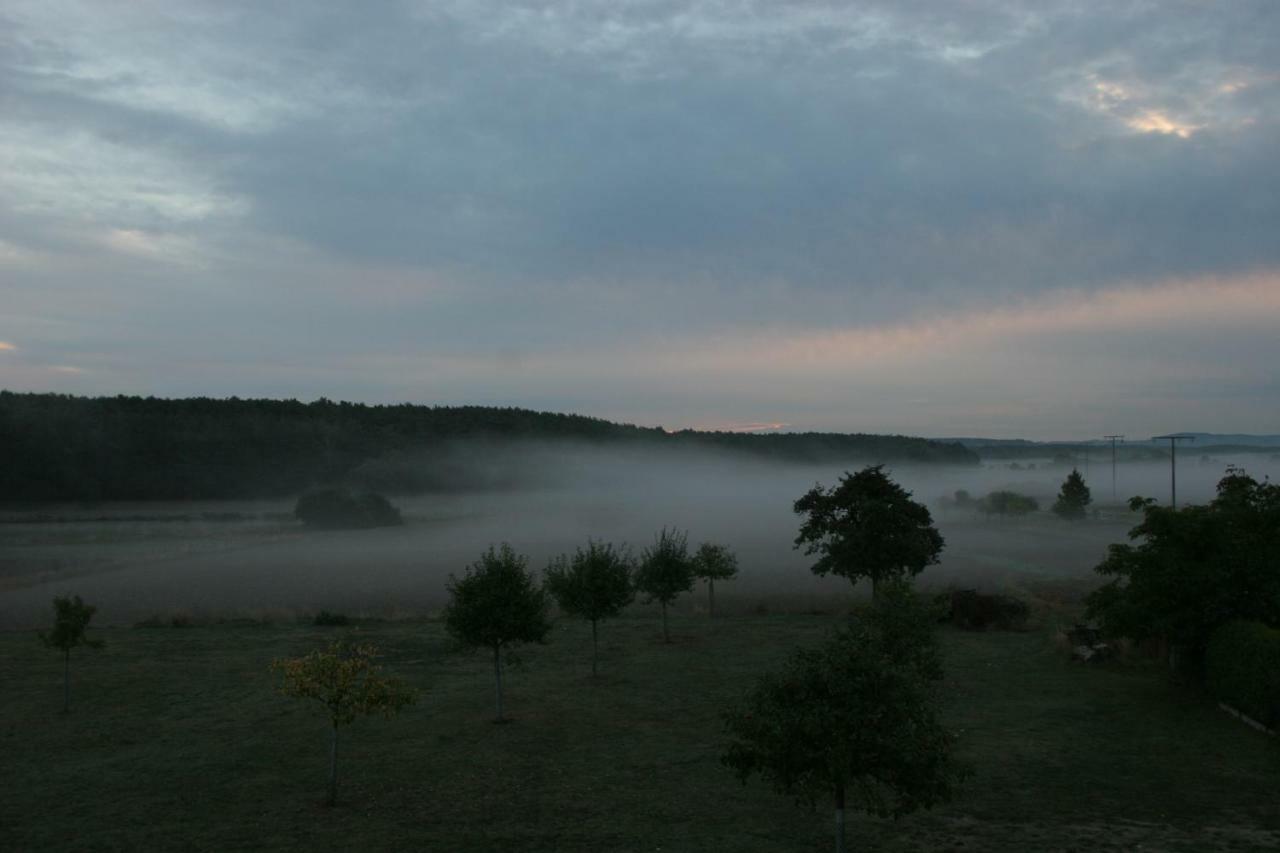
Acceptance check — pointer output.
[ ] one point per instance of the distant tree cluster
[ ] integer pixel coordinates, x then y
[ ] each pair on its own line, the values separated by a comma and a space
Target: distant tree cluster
1004, 502
63, 447
333, 508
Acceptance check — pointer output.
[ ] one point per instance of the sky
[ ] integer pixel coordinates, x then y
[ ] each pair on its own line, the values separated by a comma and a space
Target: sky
1006, 219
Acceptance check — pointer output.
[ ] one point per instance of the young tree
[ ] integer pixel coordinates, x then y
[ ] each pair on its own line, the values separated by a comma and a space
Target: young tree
856, 719
1073, 497
867, 527
665, 571
495, 605
712, 563
345, 680
593, 584
70, 619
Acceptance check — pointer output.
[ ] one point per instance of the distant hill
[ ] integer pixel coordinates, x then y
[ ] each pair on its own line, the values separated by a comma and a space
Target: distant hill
1217, 439
1201, 439
1143, 448
59, 447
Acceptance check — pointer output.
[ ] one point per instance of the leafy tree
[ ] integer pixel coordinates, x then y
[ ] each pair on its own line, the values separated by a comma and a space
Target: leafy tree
1073, 497
1008, 503
711, 563
665, 571
867, 527
345, 680
495, 605
593, 584
1195, 568
856, 719
70, 619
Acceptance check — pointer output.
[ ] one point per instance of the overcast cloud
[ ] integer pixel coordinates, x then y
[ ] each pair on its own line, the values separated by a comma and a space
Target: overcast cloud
925, 217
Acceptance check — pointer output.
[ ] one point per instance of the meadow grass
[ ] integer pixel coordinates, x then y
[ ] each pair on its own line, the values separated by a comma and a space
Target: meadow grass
178, 740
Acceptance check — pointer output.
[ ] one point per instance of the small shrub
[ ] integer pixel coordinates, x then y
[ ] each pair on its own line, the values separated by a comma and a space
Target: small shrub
325, 618
1242, 667
971, 610
339, 509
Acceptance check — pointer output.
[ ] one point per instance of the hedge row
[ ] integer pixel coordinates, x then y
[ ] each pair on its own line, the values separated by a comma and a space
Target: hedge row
1242, 666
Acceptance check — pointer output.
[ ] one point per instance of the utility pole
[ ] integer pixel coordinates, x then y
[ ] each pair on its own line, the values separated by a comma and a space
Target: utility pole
1173, 439
1113, 439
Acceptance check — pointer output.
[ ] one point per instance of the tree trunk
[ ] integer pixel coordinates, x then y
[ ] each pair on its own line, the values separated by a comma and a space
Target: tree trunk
595, 648
666, 637
497, 678
711, 597
66, 680
875, 589
840, 848
333, 768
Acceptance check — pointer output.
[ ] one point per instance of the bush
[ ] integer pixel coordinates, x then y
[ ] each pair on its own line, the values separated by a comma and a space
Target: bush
324, 617
1242, 667
338, 509
1008, 503
975, 611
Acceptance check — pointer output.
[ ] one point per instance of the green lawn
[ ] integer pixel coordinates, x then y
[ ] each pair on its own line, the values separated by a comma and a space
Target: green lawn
177, 741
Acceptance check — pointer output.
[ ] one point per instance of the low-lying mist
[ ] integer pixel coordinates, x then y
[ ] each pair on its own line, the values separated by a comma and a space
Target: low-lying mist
248, 559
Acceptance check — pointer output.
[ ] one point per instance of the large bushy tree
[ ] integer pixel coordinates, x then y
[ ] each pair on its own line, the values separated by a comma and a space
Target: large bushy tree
333, 508
71, 617
495, 605
665, 571
855, 720
1074, 496
867, 526
711, 563
346, 681
1193, 569
593, 584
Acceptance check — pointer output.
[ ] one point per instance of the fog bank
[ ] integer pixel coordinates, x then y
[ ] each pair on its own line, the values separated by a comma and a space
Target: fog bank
268, 565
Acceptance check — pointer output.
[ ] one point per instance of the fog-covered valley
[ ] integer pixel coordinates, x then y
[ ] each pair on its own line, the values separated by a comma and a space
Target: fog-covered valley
203, 560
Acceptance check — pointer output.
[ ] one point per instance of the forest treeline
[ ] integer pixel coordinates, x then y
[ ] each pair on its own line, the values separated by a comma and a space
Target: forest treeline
60, 447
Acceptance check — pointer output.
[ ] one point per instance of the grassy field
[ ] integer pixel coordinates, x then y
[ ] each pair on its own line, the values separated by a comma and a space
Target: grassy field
177, 741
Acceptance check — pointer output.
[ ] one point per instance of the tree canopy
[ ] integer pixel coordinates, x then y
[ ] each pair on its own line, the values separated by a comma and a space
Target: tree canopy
1195, 568
867, 526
